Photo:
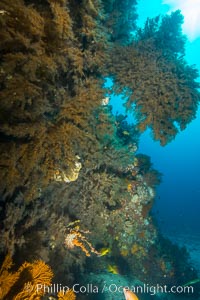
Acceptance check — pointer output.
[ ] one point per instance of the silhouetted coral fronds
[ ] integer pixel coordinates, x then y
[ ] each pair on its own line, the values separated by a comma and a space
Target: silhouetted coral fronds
25, 282
162, 88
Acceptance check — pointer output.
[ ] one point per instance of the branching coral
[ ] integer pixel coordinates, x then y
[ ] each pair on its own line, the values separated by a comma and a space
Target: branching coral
49, 107
60, 144
30, 281
68, 295
151, 176
23, 284
158, 81
120, 19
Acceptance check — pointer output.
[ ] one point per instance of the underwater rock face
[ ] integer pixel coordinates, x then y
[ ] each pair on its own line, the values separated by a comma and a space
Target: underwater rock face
57, 128
109, 285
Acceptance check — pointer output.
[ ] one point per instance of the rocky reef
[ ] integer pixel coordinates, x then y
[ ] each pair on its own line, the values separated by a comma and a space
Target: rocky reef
74, 191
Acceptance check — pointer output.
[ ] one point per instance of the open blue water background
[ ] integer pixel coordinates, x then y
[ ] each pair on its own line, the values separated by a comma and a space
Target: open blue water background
178, 197
177, 205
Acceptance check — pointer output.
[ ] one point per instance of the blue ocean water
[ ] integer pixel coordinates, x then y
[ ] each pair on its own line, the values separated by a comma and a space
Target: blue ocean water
177, 204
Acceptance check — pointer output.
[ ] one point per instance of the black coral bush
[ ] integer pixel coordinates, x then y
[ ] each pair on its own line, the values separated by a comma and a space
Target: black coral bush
160, 85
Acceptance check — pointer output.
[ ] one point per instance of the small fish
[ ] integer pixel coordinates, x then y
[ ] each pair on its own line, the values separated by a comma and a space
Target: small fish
125, 132
113, 269
129, 295
104, 251
192, 282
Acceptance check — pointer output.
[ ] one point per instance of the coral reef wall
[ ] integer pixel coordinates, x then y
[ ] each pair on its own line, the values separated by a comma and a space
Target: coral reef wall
64, 158
48, 89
